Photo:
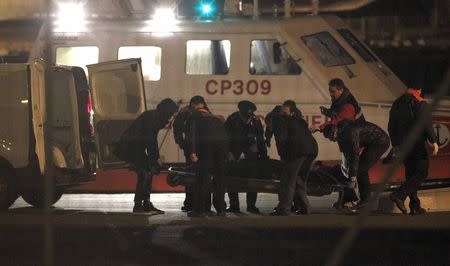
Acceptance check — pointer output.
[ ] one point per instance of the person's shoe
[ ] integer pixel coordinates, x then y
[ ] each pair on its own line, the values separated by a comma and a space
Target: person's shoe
277, 212
221, 214
148, 207
233, 210
417, 211
303, 211
138, 208
186, 208
360, 205
399, 203
194, 214
253, 209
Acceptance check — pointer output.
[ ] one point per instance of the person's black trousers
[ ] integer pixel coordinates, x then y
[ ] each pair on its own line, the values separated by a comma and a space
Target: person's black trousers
416, 171
293, 181
143, 185
211, 160
189, 189
251, 196
368, 158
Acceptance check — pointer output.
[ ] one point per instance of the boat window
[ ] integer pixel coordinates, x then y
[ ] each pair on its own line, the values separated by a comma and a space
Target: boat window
359, 47
208, 57
268, 57
325, 48
77, 56
150, 56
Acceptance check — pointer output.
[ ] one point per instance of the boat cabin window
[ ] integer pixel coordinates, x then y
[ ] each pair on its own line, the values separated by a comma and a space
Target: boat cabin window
150, 56
77, 56
117, 92
359, 47
268, 57
325, 48
208, 57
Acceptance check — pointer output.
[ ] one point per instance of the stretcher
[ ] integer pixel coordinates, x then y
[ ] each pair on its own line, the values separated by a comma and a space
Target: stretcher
263, 176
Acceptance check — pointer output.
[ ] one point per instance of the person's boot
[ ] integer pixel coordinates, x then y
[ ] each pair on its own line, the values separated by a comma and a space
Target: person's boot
252, 209
148, 207
186, 208
417, 210
398, 202
138, 207
233, 209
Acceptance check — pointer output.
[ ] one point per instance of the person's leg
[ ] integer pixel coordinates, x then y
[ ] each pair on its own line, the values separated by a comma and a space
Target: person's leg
287, 184
234, 202
189, 189
303, 202
368, 158
219, 178
139, 193
251, 202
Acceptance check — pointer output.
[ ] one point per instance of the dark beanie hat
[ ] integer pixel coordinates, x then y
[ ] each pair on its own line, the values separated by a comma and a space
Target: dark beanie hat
246, 107
167, 106
197, 99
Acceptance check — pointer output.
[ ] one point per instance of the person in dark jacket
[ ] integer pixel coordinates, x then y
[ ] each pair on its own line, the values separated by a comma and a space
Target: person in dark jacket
209, 149
246, 135
362, 144
138, 146
297, 149
343, 106
403, 115
180, 133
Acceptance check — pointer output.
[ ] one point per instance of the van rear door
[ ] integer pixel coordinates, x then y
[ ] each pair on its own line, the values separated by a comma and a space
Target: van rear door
117, 99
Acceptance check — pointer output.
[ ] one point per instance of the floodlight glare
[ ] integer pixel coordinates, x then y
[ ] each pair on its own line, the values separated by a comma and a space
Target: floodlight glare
163, 22
206, 8
70, 18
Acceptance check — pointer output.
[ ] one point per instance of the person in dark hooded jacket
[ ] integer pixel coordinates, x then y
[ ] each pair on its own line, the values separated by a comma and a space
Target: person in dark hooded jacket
362, 144
343, 106
402, 117
246, 136
181, 135
138, 146
209, 148
297, 149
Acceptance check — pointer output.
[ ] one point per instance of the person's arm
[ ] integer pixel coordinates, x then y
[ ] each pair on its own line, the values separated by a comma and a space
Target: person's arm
193, 137
152, 147
262, 149
179, 128
282, 141
392, 128
347, 112
429, 131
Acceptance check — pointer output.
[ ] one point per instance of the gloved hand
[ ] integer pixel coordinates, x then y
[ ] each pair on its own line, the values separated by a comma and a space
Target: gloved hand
325, 111
155, 168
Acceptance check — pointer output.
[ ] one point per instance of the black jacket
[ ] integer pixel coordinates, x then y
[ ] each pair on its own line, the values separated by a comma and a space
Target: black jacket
242, 136
293, 138
205, 130
403, 115
352, 136
181, 128
138, 145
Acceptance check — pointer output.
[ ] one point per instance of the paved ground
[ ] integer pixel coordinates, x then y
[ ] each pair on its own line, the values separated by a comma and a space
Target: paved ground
88, 229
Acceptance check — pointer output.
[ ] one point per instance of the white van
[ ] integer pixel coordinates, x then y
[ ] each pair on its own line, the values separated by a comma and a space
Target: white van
47, 132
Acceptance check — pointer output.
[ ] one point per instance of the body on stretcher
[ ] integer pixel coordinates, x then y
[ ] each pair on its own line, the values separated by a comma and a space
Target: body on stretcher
263, 176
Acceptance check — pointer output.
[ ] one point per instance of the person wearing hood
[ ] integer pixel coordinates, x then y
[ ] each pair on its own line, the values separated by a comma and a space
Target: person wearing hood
362, 145
138, 146
297, 149
209, 148
403, 115
181, 136
343, 106
246, 135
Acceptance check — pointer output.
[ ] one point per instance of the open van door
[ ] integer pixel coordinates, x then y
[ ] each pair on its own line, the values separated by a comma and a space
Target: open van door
117, 99
39, 113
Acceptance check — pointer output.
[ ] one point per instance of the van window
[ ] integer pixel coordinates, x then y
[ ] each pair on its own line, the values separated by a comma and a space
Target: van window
325, 48
208, 57
357, 45
77, 56
150, 56
268, 57
117, 92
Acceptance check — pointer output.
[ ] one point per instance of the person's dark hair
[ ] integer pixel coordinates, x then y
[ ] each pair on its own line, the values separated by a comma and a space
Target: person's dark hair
338, 83
291, 104
328, 131
167, 106
196, 100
